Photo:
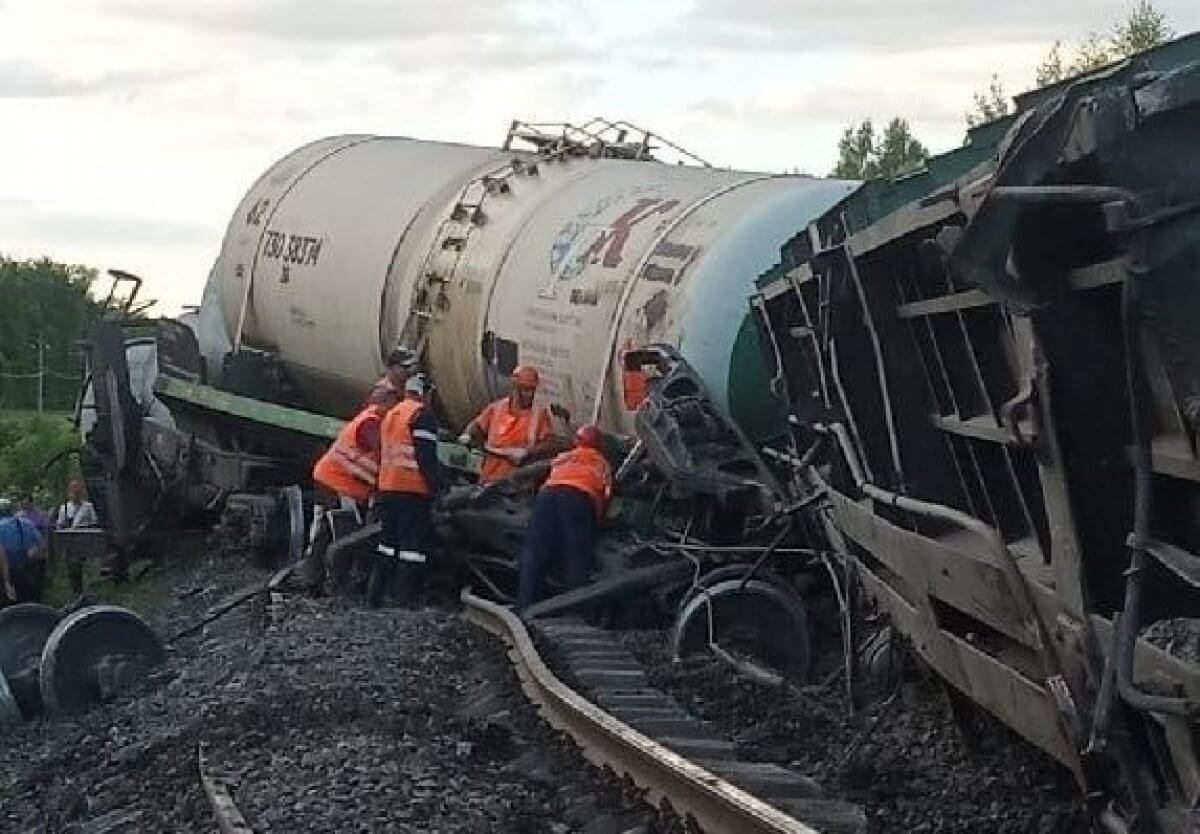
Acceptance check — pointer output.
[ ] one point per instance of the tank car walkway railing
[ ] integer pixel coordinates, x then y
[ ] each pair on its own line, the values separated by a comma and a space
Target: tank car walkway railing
598, 138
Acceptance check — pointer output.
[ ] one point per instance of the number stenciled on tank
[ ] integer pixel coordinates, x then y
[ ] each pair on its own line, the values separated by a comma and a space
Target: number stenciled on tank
254, 216
297, 250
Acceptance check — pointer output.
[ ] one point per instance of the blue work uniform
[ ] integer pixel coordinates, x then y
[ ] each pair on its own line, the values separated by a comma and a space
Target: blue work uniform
19, 536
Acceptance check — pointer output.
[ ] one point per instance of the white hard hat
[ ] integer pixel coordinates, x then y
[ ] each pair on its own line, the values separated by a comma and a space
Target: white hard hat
6, 506
416, 384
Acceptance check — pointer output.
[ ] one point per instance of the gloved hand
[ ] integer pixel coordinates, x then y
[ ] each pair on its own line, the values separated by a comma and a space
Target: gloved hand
464, 439
517, 456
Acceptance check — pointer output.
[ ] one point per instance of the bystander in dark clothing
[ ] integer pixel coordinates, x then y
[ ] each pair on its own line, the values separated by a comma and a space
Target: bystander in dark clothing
40, 519
21, 547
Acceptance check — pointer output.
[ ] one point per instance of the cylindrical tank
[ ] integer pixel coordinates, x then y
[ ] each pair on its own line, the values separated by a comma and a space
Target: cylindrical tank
483, 258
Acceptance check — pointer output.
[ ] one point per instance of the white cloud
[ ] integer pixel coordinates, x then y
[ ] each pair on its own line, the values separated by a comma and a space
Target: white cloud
905, 25
343, 21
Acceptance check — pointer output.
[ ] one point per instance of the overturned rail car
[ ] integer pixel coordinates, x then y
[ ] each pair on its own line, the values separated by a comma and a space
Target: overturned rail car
996, 389
990, 374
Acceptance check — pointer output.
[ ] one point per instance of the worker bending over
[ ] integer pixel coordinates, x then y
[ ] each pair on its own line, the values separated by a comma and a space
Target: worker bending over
399, 365
409, 476
561, 538
512, 430
344, 479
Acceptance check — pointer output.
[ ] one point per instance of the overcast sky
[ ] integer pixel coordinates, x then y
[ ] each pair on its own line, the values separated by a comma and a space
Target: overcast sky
129, 129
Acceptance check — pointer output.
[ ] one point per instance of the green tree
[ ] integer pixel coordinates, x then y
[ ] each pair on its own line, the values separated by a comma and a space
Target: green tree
1052, 68
864, 154
856, 148
35, 455
46, 307
989, 105
1144, 27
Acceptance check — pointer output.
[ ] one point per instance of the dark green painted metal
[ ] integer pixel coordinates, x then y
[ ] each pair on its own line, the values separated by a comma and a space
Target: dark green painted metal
282, 417
752, 406
259, 411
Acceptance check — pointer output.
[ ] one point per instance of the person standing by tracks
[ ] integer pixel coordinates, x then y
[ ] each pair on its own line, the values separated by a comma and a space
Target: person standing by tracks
76, 512
21, 550
40, 519
409, 477
344, 479
561, 537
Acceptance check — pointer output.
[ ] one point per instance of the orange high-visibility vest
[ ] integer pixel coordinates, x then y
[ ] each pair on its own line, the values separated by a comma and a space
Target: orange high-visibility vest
584, 469
345, 468
399, 471
506, 429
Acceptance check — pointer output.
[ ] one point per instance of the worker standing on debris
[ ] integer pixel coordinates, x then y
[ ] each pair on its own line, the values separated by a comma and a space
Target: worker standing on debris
399, 365
344, 479
561, 538
409, 476
20, 550
512, 430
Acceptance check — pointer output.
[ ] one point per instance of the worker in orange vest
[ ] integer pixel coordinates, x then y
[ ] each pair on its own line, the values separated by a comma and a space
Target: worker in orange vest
561, 537
344, 480
399, 365
512, 430
409, 476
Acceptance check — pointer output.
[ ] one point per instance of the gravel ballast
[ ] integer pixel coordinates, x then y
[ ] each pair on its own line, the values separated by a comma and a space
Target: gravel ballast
916, 772
320, 716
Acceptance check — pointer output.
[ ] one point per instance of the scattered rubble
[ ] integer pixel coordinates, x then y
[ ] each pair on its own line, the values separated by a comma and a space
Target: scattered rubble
915, 772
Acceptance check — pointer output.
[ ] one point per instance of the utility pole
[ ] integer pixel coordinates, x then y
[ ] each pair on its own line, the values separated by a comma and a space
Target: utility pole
41, 376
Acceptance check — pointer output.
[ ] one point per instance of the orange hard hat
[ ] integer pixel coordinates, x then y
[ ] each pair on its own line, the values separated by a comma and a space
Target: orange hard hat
588, 436
525, 376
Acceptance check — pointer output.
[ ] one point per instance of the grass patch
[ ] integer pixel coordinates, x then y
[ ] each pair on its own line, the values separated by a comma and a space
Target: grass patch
149, 591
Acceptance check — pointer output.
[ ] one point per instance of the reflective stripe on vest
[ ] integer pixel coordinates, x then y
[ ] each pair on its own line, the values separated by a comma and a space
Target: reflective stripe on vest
399, 470
499, 441
345, 468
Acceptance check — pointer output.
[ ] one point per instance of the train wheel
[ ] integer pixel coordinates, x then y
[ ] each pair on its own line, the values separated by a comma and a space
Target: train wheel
24, 630
292, 510
761, 620
10, 713
94, 655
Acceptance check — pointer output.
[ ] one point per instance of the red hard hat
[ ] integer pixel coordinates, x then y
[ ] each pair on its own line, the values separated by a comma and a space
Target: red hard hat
525, 376
588, 436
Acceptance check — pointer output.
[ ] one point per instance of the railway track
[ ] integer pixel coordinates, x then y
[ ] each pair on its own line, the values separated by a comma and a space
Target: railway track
640, 732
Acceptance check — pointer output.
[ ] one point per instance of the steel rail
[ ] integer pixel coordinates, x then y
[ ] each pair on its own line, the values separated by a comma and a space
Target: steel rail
225, 811
716, 805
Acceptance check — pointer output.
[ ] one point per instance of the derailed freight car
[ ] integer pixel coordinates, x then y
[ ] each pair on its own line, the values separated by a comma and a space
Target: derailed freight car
951, 347
996, 388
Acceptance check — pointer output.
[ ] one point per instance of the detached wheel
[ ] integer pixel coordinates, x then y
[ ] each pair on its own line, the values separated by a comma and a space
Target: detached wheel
24, 630
10, 713
94, 655
292, 506
764, 621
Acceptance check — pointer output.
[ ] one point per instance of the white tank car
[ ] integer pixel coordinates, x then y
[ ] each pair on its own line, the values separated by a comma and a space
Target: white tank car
485, 257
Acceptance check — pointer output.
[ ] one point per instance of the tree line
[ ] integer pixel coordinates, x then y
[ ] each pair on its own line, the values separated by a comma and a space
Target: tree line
867, 153
46, 308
